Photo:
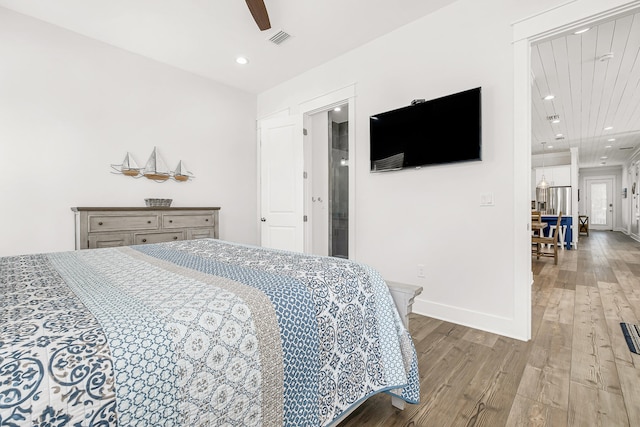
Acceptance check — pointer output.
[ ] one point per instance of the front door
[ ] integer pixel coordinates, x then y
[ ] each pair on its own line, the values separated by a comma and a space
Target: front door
600, 203
281, 180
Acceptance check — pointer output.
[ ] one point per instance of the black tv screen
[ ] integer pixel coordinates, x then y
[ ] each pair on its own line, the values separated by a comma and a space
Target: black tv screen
437, 131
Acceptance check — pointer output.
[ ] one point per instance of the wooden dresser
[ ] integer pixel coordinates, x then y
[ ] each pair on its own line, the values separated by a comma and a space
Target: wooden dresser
107, 227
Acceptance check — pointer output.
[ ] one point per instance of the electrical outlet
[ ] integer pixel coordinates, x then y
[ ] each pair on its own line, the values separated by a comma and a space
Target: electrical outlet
420, 270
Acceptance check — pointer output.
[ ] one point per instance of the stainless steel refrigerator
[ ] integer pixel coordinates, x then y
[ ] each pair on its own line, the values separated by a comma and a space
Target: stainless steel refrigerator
559, 200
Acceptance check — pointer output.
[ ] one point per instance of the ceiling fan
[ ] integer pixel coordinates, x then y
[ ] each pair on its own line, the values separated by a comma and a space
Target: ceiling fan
259, 12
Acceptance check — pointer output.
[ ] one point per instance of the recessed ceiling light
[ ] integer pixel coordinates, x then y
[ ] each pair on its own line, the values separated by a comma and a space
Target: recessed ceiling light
558, 135
604, 158
611, 139
555, 121
608, 128
582, 31
337, 109
242, 60
549, 97
607, 146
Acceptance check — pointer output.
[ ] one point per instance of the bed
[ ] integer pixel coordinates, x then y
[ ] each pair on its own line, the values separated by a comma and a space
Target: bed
196, 333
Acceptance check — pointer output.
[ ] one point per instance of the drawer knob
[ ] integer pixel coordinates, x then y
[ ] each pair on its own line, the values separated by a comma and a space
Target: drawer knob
148, 222
144, 240
100, 223
207, 219
175, 237
170, 221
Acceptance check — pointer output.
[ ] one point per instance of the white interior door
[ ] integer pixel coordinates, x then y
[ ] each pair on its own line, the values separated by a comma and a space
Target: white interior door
600, 204
281, 181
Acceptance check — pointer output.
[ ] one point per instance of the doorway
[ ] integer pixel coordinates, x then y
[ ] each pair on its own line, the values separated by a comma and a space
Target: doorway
327, 167
566, 17
339, 181
599, 203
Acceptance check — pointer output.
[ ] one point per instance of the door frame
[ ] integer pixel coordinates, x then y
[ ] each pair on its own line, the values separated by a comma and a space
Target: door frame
324, 103
572, 14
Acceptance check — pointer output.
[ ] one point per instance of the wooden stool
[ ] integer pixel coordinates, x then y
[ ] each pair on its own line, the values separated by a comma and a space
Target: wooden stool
583, 224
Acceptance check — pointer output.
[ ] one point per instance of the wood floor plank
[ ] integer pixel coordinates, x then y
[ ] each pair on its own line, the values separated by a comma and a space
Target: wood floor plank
566, 279
529, 413
629, 380
422, 326
586, 277
603, 408
630, 285
635, 269
552, 334
560, 306
481, 337
454, 372
548, 384
493, 387
592, 362
621, 353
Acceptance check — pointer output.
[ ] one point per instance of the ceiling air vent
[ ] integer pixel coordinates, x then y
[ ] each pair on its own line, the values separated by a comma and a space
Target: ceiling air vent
627, 148
279, 37
554, 117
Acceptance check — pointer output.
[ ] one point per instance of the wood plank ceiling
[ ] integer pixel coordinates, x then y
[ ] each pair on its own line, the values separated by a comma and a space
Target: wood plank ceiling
595, 78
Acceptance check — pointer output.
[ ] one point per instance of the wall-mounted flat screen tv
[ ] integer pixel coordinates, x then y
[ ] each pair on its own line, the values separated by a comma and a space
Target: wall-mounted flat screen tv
437, 131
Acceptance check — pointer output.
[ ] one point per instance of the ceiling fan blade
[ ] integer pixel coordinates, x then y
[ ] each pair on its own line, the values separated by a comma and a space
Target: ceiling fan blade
259, 12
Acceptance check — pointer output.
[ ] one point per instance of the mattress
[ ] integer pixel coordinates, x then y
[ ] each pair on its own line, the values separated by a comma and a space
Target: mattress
196, 333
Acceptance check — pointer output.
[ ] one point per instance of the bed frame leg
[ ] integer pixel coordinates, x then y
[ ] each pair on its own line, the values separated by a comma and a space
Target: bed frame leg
397, 402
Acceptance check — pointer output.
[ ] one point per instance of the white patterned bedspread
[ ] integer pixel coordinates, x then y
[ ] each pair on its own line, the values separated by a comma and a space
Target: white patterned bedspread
195, 333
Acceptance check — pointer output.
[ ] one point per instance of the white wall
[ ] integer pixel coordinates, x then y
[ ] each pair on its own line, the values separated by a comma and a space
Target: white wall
433, 216
71, 106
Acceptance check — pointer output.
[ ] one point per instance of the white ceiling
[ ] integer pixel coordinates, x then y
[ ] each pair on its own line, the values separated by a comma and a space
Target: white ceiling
205, 36
590, 94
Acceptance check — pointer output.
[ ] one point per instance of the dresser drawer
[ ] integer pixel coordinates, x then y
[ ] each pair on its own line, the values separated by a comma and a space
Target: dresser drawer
200, 233
142, 238
170, 221
110, 240
98, 223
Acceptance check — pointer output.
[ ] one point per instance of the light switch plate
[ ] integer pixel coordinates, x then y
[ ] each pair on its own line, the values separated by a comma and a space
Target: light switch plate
486, 199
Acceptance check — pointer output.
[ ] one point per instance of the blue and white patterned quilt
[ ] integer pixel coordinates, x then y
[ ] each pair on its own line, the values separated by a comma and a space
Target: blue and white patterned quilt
195, 333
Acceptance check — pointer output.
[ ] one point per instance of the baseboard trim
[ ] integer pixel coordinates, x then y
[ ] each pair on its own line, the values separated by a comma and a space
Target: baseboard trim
470, 318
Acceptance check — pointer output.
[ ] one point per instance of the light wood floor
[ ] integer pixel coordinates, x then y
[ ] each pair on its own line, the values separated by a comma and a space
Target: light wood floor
576, 371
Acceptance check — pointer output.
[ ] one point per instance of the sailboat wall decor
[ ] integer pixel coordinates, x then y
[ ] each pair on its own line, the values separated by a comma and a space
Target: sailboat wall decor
182, 173
155, 169
128, 167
